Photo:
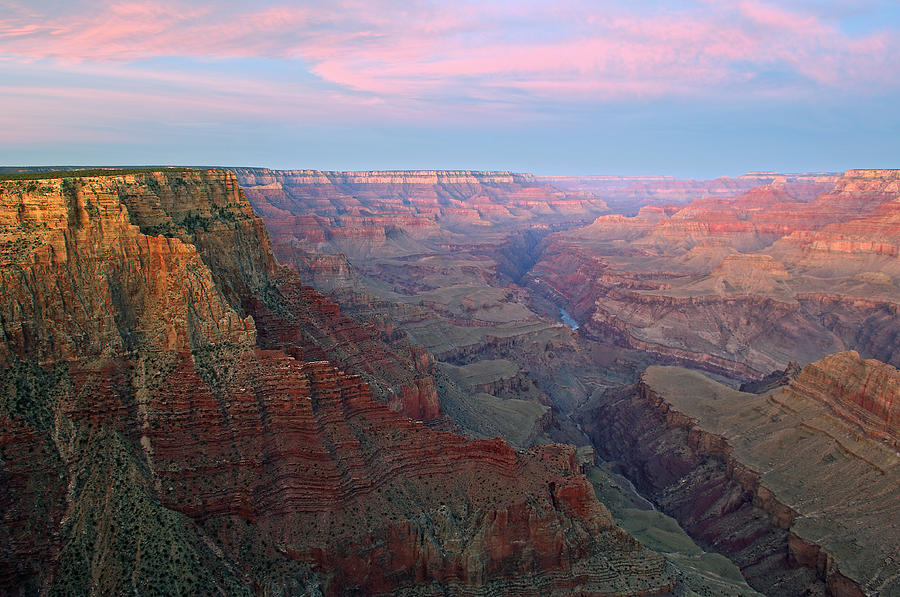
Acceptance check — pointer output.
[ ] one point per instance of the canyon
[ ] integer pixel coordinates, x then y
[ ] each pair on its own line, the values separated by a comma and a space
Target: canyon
739, 287
253, 381
534, 321
747, 472
182, 415
627, 194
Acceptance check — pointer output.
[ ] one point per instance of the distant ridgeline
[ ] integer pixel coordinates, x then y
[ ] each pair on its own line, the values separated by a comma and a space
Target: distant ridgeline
45, 172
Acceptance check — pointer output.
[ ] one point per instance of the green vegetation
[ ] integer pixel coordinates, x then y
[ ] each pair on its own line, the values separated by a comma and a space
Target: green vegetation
164, 229
194, 222
90, 172
218, 364
146, 548
226, 212
30, 392
11, 250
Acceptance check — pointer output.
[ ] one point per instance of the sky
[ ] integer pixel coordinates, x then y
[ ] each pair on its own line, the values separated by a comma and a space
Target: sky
692, 88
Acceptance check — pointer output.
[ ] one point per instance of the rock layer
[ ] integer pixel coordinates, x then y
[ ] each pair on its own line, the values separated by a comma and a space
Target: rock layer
80, 279
390, 212
864, 392
627, 193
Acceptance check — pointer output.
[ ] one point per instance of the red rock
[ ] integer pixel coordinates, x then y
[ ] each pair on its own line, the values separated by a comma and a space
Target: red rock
628, 192
363, 212
189, 430
740, 286
864, 392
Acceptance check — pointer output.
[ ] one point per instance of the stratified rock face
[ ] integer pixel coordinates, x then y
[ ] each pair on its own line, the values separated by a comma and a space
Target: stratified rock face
367, 197
797, 496
167, 260
171, 422
740, 286
80, 279
262, 176
864, 392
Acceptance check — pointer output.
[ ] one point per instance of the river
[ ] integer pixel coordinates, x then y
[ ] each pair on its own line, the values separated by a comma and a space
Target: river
567, 319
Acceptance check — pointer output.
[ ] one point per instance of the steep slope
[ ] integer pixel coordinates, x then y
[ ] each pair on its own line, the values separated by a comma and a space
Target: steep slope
863, 392
422, 195
80, 280
795, 485
384, 214
173, 422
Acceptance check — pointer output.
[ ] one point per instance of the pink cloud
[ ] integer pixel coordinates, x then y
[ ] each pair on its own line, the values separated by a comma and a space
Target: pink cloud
780, 20
423, 50
680, 54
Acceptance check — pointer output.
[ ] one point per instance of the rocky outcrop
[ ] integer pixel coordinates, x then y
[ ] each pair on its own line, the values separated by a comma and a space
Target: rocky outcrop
864, 392
79, 278
773, 380
792, 493
192, 433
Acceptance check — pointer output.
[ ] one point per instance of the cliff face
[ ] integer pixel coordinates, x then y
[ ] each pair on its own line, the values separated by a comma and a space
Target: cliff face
426, 194
864, 392
173, 421
262, 176
627, 193
80, 278
170, 261
784, 483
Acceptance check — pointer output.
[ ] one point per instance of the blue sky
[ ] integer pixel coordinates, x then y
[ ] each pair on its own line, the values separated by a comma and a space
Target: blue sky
689, 88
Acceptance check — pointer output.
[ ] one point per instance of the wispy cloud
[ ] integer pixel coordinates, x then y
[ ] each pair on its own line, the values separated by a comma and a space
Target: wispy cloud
66, 65
428, 49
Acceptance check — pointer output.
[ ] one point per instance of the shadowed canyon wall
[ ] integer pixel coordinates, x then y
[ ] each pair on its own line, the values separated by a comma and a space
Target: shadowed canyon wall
797, 486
